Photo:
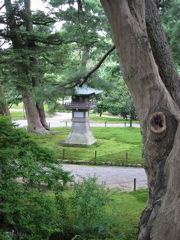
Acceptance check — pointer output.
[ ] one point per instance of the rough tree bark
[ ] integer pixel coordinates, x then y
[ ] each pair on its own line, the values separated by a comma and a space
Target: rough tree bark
157, 107
88, 75
40, 106
161, 51
34, 123
3, 104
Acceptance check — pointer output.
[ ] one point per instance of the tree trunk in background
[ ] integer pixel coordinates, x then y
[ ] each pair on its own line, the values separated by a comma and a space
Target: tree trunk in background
40, 105
42, 115
34, 112
130, 121
158, 112
3, 104
34, 123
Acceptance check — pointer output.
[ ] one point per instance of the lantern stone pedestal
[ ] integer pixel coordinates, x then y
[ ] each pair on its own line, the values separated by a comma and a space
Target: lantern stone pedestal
80, 133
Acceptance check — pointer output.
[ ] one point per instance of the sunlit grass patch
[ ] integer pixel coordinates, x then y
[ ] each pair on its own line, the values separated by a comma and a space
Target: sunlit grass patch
15, 115
119, 145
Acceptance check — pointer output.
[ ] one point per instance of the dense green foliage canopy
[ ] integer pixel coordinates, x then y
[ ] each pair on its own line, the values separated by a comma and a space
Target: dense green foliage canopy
61, 56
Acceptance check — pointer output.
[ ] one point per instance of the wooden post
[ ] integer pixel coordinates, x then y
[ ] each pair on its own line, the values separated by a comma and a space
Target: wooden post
105, 124
130, 122
49, 124
23, 112
95, 156
63, 157
126, 158
124, 124
134, 184
66, 124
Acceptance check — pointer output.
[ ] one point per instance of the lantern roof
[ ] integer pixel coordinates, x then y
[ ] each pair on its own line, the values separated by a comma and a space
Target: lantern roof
85, 90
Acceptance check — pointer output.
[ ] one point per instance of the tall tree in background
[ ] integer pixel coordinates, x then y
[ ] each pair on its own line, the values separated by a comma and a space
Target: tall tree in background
28, 47
81, 39
157, 104
170, 15
19, 27
161, 51
85, 25
33, 62
116, 98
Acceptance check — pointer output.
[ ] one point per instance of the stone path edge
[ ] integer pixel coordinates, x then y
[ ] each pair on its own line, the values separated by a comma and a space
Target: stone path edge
81, 162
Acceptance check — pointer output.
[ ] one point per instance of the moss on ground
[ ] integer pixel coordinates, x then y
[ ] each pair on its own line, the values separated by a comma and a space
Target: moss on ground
119, 145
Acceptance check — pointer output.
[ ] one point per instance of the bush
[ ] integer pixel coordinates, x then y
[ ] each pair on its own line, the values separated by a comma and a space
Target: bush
87, 212
26, 171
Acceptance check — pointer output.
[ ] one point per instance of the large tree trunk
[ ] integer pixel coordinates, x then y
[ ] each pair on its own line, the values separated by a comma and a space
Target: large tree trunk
3, 104
39, 104
159, 118
42, 115
34, 123
35, 113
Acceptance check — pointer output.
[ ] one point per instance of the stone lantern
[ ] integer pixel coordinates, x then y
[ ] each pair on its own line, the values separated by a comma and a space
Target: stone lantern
80, 133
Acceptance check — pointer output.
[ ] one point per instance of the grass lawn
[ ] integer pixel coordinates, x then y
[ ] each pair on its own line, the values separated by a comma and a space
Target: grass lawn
129, 207
15, 115
113, 145
18, 115
19, 106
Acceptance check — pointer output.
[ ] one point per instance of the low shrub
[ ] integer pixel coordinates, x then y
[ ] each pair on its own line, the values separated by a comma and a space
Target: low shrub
26, 170
88, 214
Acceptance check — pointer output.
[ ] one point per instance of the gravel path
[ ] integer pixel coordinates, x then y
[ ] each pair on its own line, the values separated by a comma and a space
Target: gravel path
64, 120
57, 123
114, 177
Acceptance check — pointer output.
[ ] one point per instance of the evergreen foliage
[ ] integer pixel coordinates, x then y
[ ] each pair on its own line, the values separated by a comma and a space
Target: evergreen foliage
26, 171
116, 98
171, 24
28, 211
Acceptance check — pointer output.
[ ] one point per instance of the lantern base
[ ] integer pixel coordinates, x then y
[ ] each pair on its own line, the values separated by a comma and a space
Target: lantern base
80, 133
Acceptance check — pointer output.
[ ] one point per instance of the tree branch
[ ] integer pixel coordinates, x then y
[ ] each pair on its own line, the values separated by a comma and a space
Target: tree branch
9, 107
88, 75
44, 23
49, 61
2, 6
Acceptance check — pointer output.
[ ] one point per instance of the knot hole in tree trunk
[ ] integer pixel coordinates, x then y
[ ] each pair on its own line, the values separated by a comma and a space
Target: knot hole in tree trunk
157, 122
